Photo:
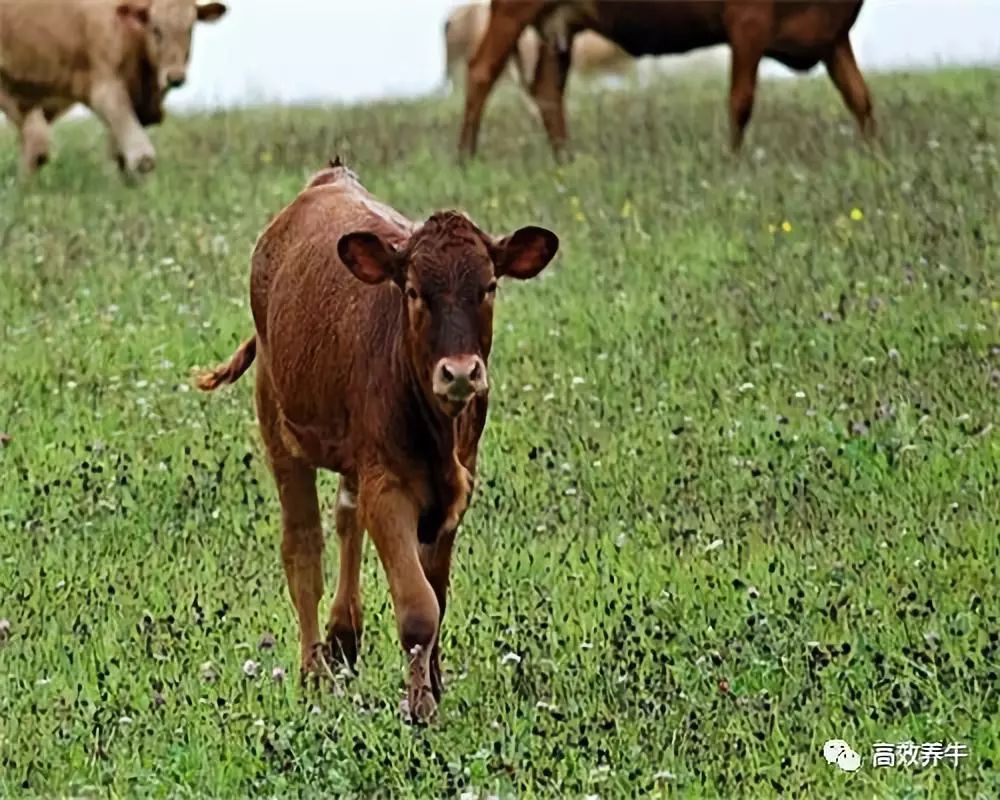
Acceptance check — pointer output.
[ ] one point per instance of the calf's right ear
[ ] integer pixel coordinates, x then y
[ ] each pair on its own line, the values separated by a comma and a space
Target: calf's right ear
369, 257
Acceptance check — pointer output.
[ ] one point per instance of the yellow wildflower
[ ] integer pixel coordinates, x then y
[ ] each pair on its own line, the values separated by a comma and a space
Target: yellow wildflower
580, 217
857, 215
786, 226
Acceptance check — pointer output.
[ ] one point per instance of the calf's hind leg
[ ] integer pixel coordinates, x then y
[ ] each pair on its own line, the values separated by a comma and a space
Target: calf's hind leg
302, 556
343, 633
302, 531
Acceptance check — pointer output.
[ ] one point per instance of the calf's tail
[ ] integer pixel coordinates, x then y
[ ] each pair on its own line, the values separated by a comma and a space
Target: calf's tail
231, 371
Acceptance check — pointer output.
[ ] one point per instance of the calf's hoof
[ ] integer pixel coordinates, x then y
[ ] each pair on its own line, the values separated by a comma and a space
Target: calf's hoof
314, 668
437, 681
561, 154
420, 695
421, 705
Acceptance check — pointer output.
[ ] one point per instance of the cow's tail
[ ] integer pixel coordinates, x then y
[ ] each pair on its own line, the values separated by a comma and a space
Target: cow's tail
231, 371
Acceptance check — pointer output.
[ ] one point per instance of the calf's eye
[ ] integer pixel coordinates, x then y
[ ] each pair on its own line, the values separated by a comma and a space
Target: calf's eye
411, 293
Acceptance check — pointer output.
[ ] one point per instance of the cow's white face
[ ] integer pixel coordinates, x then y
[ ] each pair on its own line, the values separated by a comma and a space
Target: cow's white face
167, 26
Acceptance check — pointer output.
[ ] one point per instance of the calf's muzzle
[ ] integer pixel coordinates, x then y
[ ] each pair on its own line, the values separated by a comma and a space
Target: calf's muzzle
457, 378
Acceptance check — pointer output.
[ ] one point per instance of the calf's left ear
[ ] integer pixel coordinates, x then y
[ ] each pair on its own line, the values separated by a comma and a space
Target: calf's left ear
210, 12
524, 253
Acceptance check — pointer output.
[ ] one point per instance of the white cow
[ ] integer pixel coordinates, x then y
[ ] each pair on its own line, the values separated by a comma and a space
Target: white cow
117, 57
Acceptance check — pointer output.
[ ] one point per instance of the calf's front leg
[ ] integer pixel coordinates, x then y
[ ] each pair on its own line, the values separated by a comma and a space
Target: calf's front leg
391, 517
436, 561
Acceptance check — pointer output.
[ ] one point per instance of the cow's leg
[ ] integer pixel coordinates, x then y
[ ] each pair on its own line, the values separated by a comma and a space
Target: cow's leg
748, 27
507, 22
743, 84
32, 133
343, 633
110, 101
549, 88
391, 519
525, 57
846, 76
36, 140
436, 561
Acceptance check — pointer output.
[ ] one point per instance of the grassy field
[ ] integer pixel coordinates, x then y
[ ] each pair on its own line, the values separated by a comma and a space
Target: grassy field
739, 488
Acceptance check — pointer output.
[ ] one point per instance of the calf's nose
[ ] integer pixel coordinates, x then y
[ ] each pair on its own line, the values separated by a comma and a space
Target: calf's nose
460, 377
175, 80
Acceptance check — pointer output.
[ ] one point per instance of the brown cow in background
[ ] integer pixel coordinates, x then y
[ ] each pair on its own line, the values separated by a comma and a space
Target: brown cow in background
373, 334
463, 32
466, 25
798, 34
118, 57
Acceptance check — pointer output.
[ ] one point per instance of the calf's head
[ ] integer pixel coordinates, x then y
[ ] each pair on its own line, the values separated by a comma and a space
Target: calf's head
447, 276
166, 27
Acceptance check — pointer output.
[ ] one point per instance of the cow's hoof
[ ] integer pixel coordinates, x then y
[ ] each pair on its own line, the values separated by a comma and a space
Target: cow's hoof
145, 165
342, 646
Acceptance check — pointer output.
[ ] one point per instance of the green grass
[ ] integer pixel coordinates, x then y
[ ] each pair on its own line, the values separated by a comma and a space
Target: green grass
717, 457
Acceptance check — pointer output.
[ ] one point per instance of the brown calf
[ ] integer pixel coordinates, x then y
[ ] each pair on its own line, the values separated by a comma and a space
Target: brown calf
373, 335
799, 34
